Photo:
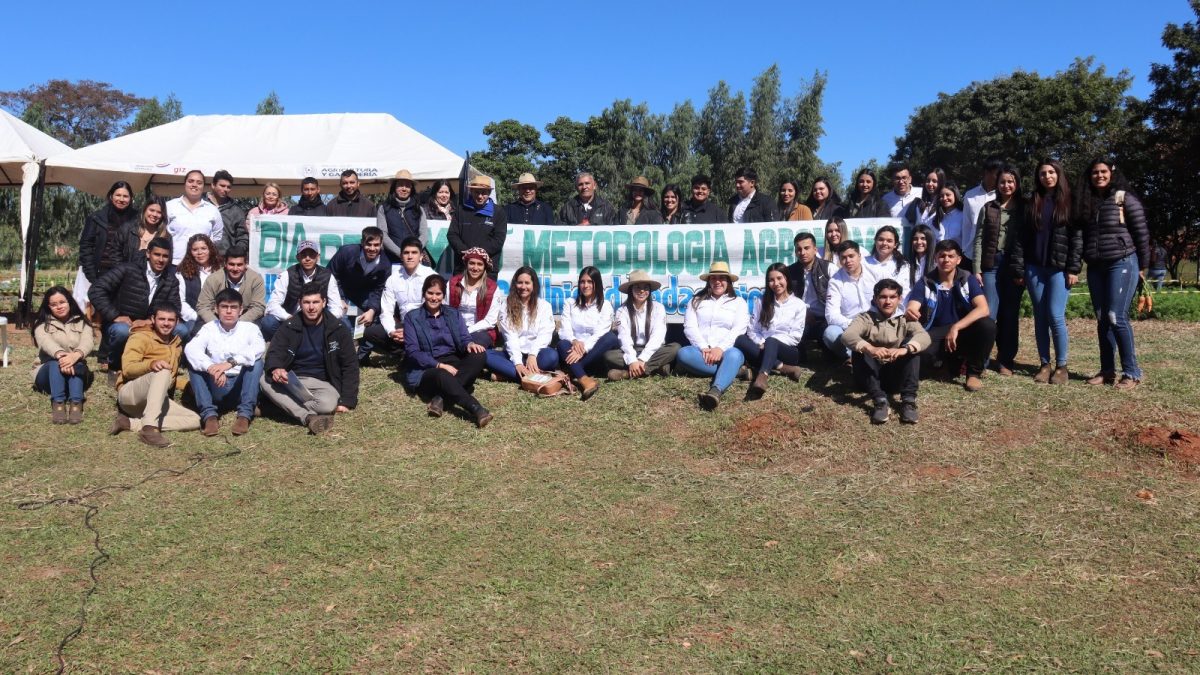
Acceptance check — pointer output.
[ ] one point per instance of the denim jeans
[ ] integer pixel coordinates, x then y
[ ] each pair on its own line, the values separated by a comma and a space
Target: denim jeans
723, 373
763, 359
1048, 291
594, 355
498, 362
1112, 284
50, 380
269, 325
240, 391
832, 338
1004, 303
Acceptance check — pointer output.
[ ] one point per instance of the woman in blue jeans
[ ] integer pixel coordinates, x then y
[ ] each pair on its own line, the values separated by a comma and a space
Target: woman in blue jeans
1046, 256
64, 340
585, 331
998, 220
527, 324
1116, 247
714, 320
776, 330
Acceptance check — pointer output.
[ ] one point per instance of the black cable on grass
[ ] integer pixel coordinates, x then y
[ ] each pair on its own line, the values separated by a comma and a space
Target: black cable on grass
101, 556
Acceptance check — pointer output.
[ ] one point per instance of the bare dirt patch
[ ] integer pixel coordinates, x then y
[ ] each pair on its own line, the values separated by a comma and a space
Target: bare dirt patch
1179, 445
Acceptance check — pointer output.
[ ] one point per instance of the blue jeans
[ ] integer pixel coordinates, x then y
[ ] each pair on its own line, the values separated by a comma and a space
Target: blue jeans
50, 380
1112, 285
832, 337
1004, 303
1158, 276
269, 324
723, 373
772, 352
240, 391
118, 335
578, 369
1048, 291
497, 362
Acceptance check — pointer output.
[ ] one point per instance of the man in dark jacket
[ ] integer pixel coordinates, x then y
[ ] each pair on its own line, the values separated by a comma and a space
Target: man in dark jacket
478, 224
124, 296
810, 282
587, 207
232, 214
748, 205
700, 209
362, 271
311, 371
350, 202
528, 209
310, 200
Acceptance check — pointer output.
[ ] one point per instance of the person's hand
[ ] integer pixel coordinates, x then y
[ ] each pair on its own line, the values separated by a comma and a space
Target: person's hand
475, 348
279, 376
397, 335
67, 360
1072, 279
576, 353
712, 355
67, 370
637, 369
522, 371
218, 368
898, 353
159, 365
366, 317
341, 409
123, 319
952, 339
531, 364
979, 278
913, 312
448, 368
219, 379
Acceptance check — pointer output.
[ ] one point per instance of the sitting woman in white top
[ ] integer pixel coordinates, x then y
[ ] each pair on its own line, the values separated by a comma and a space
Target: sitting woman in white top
886, 261
775, 332
851, 290
585, 331
527, 325
476, 296
715, 318
642, 331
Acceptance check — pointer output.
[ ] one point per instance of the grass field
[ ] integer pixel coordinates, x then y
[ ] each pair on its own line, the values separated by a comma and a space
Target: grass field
1023, 528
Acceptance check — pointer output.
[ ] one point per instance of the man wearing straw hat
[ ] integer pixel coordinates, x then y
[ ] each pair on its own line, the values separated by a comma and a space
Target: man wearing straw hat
527, 209
479, 223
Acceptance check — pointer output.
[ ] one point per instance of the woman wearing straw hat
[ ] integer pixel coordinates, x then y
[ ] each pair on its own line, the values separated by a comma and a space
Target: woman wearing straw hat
479, 223
527, 209
639, 209
715, 318
399, 216
642, 331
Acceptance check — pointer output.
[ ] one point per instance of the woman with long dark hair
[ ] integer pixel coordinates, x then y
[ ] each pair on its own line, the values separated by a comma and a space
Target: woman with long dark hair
138, 235
924, 209
440, 205
64, 340
772, 339
201, 260
715, 318
101, 244
823, 200
948, 217
1116, 247
1046, 258
886, 261
790, 206
920, 254
477, 297
672, 204
527, 324
642, 331
585, 330
863, 201
639, 206
999, 221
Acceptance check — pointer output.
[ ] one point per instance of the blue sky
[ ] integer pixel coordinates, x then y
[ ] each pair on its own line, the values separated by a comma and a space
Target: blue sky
448, 74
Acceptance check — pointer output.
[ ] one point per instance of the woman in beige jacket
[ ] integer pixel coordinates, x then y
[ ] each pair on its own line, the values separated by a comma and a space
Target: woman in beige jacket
64, 340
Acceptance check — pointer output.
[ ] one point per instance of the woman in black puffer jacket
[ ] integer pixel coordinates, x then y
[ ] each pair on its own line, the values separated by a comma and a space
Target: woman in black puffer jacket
1046, 257
1116, 247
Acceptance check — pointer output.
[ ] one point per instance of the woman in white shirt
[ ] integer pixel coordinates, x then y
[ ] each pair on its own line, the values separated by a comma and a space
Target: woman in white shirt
642, 332
715, 318
585, 331
190, 214
527, 324
477, 297
201, 260
948, 223
775, 332
886, 261
920, 254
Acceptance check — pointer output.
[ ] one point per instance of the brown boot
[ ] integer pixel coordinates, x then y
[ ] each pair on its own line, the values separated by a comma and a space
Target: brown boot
1127, 383
150, 435
211, 427
615, 374
757, 388
588, 386
58, 412
973, 383
791, 372
436, 407
1043, 374
1060, 376
1102, 378
241, 426
75, 412
120, 423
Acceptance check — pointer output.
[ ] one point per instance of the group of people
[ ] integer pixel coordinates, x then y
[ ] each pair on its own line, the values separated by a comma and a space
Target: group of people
173, 293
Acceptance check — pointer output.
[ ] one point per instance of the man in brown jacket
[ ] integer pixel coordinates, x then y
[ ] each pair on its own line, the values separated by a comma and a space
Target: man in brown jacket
149, 366
884, 345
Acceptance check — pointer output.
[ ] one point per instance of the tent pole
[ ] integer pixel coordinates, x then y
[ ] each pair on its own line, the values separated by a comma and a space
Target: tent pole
33, 241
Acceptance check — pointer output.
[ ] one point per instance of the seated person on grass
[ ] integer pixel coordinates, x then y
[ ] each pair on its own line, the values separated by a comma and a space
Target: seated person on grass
885, 344
149, 365
401, 295
850, 293
225, 363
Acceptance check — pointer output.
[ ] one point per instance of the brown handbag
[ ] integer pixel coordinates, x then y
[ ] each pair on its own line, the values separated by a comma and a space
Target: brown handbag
545, 385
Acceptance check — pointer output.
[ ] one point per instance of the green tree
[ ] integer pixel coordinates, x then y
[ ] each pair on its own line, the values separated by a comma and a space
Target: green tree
565, 153
513, 148
722, 136
804, 127
76, 113
765, 138
618, 147
269, 105
673, 148
153, 114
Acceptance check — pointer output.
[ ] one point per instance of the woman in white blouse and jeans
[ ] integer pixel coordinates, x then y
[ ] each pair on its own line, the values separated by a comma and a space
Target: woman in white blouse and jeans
585, 330
642, 331
527, 324
715, 318
776, 329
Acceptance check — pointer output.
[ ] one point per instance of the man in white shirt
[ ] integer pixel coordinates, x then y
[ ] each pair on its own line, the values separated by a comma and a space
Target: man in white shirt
903, 193
285, 295
401, 294
748, 205
973, 202
190, 214
810, 281
225, 363
851, 291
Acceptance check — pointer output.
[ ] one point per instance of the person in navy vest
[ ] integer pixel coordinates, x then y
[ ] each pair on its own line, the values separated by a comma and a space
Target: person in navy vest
527, 209
441, 359
361, 271
285, 296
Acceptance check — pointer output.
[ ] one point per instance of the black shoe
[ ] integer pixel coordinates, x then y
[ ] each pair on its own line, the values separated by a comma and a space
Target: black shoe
710, 399
480, 413
880, 414
435, 406
908, 412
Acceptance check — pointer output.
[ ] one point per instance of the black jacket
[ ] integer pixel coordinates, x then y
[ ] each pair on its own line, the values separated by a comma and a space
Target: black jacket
647, 216
234, 232
469, 229
94, 238
358, 207
359, 288
341, 357
989, 232
317, 208
820, 274
761, 209
706, 213
537, 213
123, 291
1066, 247
1106, 238
872, 207
602, 213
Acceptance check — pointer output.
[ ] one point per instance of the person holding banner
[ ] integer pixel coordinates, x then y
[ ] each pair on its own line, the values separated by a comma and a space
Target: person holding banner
886, 261
361, 272
285, 296
476, 296
640, 209
747, 205
585, 330
776, 328
850, 292
789, 205
863, 201
478, 224
823, 200
714, 319
642, 331
527, 324
401, 294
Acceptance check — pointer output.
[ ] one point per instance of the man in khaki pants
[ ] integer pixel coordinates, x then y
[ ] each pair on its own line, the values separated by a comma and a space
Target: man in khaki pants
149, 365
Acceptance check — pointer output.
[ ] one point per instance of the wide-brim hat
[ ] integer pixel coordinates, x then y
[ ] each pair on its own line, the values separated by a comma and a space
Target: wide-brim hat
404, 174
640, 182
527, 179
639, 277
480, 182
720, 268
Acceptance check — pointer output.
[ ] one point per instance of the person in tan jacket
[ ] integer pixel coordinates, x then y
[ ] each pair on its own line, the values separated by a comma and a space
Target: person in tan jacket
237, 275
149, 371
884, 344
64, 340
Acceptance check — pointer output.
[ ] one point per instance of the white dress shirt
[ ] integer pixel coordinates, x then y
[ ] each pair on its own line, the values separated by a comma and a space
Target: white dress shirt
533, 335
897, 204
716, 322
849, 297
887, 270
649, 343
213, 344
787, 323
587, 325
973, 202
279, 293
403, 291
183, 222
489, 320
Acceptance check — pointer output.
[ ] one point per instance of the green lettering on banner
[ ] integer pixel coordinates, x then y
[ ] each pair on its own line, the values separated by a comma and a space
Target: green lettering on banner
536, 250
642, 252
787, 252
696, 262
298, 235
768, 250
719, 251
270, 242
602, 251
676, 253
622, 257
437, 244
750, 266
580, 238
558, 251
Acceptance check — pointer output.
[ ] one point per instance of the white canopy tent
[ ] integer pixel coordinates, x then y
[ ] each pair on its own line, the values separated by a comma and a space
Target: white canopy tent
22, 149
259, 149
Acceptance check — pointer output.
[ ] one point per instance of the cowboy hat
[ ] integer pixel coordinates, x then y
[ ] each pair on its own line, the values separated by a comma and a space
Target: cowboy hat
640, 182
527, 179
404, 174
639, 277
721, 268
480, 182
